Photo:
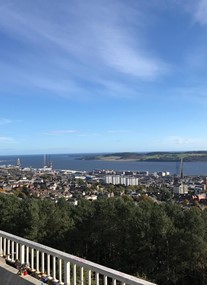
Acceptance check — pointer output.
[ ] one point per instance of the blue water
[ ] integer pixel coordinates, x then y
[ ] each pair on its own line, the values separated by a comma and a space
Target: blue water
70, 161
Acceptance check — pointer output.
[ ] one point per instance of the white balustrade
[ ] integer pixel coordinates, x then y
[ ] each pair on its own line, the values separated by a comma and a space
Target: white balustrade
27, 254
12, 251
8, 249
54, 268
43, 263
32, 259
37, 261
17, 250
1, 243
74, 274
48, 265
69, 269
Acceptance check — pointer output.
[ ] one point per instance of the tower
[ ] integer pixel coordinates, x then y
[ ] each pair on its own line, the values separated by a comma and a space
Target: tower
18, 162
47, 160
181, 168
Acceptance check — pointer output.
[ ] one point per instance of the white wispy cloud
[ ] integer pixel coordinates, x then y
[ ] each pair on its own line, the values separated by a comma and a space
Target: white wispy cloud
184, 142
200, 13
119, 53
4, 121
85, 42
197, 9
117, 131
103, 133
6, 139
90, 134
196, 57
196, 53
60, 132
181, 140
192, 92
179, 143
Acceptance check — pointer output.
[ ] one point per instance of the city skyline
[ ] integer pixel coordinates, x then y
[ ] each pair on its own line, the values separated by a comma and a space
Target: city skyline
102, 76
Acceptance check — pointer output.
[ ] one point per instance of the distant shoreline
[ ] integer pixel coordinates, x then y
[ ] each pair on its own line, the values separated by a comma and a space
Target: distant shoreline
194, 156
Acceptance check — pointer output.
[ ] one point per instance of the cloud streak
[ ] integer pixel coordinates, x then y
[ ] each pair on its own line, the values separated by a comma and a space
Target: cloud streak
200, 13
6, 139
60, 132
122, 56
4, 121
81, 46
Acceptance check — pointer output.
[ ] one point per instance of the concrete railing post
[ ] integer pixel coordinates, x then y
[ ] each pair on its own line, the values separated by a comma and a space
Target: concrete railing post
89, 277
22, 253
48, 265
37, 261
54, 268
60, 271
43, 263
1, 249
74, 274
32, 259
17, 250
97, 278
27, 254
12, 251
8, 249
66, 272
4, 246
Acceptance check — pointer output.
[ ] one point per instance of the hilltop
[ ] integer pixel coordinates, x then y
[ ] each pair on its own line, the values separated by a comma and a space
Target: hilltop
188, 156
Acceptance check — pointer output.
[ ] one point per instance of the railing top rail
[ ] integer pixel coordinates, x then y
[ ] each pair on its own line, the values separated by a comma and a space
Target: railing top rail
123, 277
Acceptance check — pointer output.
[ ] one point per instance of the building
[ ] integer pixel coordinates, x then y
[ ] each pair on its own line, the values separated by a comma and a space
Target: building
122, 179
180, 189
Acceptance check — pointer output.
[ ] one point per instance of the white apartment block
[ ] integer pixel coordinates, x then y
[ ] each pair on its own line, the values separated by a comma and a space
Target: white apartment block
124, 180
180, 189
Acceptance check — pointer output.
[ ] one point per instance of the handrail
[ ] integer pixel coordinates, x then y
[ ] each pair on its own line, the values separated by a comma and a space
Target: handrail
81, 262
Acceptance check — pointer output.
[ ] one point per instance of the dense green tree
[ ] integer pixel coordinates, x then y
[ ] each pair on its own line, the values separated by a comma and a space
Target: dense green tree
162, 242
29, 218
9, 212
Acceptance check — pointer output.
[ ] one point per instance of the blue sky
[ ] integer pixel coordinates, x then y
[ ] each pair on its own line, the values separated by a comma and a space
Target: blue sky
102, 76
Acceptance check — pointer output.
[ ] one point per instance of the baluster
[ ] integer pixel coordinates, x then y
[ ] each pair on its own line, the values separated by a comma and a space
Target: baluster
27, 255
81, 276
54, 268
48, 266
105, 280
37, 261
114, 282
32, 259
43, 263
97, 278
8, 249
66, 272
1, 249
22, 253
4, 246
17, 250
60, 271
12, 251
74, 274
89, 277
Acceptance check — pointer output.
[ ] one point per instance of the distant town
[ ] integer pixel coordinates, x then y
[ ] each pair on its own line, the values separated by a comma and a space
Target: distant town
72, 185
